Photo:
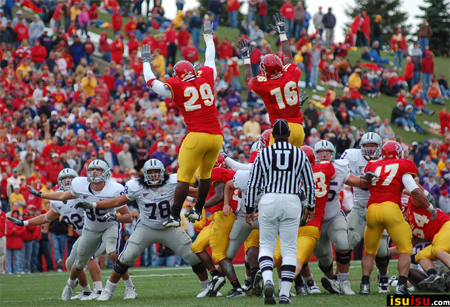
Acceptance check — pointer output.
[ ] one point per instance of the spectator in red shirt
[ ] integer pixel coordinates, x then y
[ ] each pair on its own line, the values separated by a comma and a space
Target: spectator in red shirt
38, 54
109, 79
72, 30
14, 244
225, 53
116, 21
420, 105
287, 10
190, 52
105, 47
183, 37
117, 48
57, 14
171, 37
133, 44
22, 32
444, 120
93, 14
131, 26
232, 9
255, 58
427, 68
54, 167
409, 71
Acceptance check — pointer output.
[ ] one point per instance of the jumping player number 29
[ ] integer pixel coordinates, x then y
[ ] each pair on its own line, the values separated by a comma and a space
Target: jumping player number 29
290, 95
205, 92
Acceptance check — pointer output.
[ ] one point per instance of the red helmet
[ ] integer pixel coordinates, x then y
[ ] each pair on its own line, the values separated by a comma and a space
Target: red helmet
184, 70
309, 151
220, 162
391, 150
271, 66
265, 138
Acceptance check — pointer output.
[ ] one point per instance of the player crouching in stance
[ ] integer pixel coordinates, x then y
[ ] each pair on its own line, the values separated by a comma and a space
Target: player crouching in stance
74, 217
154, 194
100, 225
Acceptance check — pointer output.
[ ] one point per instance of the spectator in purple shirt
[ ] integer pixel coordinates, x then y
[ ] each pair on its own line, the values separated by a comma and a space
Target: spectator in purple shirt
233, 99
432, 186
161, 155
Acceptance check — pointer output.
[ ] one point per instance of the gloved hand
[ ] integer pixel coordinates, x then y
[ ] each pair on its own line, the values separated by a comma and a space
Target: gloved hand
146, 54
15, 221
34, 191
431, 199
433, 212
280, 22
110, 216
223, 151
84, 205
208, 28
245, 48
303, 98
369, 176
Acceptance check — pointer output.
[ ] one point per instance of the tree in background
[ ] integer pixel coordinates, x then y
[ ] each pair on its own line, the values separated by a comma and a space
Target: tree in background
392, 17
437, 13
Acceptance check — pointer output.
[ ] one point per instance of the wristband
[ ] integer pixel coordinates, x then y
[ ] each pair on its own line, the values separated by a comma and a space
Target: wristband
150, 82
426, 192
310, 208
283, 37
45, 215
26, 223
94, 205
249, 210
247, 61
430, 208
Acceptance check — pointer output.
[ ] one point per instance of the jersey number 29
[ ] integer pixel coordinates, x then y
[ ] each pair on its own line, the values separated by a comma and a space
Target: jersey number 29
205, 92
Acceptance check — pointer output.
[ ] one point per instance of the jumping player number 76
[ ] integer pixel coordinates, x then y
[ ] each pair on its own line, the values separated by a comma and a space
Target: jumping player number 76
193, 92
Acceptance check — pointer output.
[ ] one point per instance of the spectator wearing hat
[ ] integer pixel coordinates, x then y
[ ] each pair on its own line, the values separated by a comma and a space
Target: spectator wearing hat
109, 155
161, 155
77, 50
412, 119
431, 166
444, 148
105, 47
22, 32
17, 196
90, 49
117, 48
443, 85
414, 150
11, 182
398, 46
36, 29
427, 69
54, 167
432, 186
26, 166
444, 202
444, 120
14, 245
38, 54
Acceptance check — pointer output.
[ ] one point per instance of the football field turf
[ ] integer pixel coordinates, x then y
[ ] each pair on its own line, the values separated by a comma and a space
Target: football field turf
171, 287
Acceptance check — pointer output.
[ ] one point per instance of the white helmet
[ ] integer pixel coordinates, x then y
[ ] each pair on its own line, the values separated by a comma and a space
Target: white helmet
256, 147
98, 164
328, 147
65, 178
153, 179
371, 153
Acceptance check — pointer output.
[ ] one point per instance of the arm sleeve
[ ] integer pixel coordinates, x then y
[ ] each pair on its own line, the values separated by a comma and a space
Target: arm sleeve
409, 183
236, 166
210, 56
157, 85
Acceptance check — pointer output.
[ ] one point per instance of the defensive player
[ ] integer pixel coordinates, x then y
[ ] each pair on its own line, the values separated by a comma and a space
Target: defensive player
278, 84
357, 160
391, 175
154, 193
74, 217
100, 224
193, 92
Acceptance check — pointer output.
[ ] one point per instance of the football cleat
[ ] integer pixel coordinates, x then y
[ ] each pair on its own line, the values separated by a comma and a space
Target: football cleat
248, 285
203, 293
312, 288
236, 292
94, 295
301, 290
68, 291
215, 285
434, 283
193, 215
284, 300
106, 295
172, 222
364, 289
130, 294
446, 277
269, 293
345, 288
383, 285
402, 290
331, 284
258, 284
80, 295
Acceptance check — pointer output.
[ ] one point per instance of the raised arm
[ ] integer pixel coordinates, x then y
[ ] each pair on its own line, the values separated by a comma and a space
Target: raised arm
38, 220
105, 204
279, 27
150, 79
237, 166
66, 195
210, 53
246, 51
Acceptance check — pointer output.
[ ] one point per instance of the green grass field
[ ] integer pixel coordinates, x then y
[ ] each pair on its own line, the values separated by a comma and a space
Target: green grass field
169, 287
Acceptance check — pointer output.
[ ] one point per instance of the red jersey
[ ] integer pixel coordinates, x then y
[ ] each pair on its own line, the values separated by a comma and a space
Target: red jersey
280, 96
195, 98
389, 186
221, 175
422, 226
323, 172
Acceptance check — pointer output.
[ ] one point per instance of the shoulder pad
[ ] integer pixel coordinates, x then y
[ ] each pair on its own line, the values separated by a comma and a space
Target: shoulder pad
351, 155
172, 178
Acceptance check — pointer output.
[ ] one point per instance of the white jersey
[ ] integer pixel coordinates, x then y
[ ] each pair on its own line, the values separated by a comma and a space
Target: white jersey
333, 205
71, 215
357, 164
94, 219
240, 182
154, 203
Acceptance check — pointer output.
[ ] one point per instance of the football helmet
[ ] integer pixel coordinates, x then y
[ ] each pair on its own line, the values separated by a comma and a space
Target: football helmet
156, 178
370, 152
309, 151
327, 151
391, 150
65, 178
271, 66
98, 164
220, 162
265, 138
184, 70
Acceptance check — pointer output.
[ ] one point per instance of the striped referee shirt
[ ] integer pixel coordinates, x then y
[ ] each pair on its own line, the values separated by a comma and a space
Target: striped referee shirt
281, 168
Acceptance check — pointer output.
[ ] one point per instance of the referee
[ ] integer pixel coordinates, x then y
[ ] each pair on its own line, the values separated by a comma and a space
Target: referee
278, 173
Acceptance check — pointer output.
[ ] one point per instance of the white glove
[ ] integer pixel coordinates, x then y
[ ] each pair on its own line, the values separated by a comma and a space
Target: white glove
110, 216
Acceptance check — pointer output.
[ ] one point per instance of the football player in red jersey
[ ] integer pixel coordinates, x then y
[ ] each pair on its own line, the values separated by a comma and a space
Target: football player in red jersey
278, 84
386, 180
193, 92
216, 234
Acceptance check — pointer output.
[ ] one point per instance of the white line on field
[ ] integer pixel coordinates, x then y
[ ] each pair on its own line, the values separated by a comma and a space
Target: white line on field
159, 275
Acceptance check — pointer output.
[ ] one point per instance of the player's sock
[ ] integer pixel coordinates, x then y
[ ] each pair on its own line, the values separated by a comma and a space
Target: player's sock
71, 282
86, 289
250, 278
199, 205
343, 276
365, 280
253, 273
128, 283
402, 280
98, 285
287, 277
306, 279
176, 211
235, 283
431, 272
299, 280
266, 265
110, 286
205, 283
214, 272
386, 276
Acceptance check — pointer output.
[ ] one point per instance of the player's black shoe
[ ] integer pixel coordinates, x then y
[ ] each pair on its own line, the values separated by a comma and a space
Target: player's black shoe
172, 222
284, 300
364, 289
269, 293
258, 284
402, 290
193, 215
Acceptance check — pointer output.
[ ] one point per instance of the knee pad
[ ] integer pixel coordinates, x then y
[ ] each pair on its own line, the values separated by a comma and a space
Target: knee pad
120, 268
198, 268
305, 265
326, 269
343, 257
80, 264
382, 262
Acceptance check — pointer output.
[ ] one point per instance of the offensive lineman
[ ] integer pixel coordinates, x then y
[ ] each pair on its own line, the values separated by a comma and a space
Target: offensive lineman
100, 224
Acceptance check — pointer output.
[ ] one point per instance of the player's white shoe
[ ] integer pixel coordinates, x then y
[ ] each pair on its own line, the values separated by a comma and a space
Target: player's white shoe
106, 295
383, 285
312, 288
68, 291
130, 294
331, 284
203, 293
345, 288
94, 295
80, 295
